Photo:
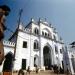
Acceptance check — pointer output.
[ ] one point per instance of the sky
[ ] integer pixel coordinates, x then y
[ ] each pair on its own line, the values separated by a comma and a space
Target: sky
60, 13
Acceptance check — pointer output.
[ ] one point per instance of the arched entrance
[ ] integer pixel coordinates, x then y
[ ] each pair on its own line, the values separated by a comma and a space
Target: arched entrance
47, 57
8, 63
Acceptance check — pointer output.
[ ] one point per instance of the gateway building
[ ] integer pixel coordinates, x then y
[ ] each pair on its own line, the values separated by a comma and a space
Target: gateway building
38, 44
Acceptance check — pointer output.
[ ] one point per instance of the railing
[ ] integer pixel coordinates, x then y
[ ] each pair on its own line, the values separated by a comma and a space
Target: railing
8, 43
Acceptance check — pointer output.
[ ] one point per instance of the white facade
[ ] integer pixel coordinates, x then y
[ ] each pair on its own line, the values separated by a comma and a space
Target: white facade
37, 44
69, 59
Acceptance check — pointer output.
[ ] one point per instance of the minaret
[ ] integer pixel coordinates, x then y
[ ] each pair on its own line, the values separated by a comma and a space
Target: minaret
4, 11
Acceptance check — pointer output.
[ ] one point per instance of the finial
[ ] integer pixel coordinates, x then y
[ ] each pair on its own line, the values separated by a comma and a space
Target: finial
40, 20
32, 19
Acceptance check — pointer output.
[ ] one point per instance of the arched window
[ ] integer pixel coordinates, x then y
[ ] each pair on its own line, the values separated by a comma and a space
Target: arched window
61, 50
56, 50
36, 45
36, 31
48, 35
42, 33
45, 34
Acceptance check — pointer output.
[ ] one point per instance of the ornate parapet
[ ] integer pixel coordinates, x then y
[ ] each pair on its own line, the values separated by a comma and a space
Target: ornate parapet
22, 28
8, 43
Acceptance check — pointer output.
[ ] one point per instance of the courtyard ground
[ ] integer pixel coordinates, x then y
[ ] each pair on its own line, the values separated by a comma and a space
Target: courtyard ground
48, 72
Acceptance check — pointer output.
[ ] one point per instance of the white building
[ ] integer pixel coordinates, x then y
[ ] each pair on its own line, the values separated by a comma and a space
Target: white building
37, 44
69, 59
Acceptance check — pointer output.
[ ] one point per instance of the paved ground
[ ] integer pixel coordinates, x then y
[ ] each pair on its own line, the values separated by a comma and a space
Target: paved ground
41, 73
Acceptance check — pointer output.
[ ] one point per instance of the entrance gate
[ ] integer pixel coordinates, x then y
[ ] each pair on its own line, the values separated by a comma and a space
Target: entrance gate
8, 64
47, 57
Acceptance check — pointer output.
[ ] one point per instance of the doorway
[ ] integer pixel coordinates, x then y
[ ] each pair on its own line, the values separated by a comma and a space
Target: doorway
8, 63
36, 60
47, 57
24, 64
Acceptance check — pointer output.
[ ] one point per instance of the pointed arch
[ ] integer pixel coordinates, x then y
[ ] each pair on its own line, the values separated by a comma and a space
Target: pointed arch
46, 32
47, 56
36, 31
8, 63
56, 49
36, 44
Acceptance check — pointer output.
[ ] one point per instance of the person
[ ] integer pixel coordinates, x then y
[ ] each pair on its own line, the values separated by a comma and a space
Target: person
4, 11
68, 71
28, 70
37, 69
55, 68
61, 70
20, 72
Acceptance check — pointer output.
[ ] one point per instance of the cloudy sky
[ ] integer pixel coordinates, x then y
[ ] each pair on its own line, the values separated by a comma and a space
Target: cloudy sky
61, 13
